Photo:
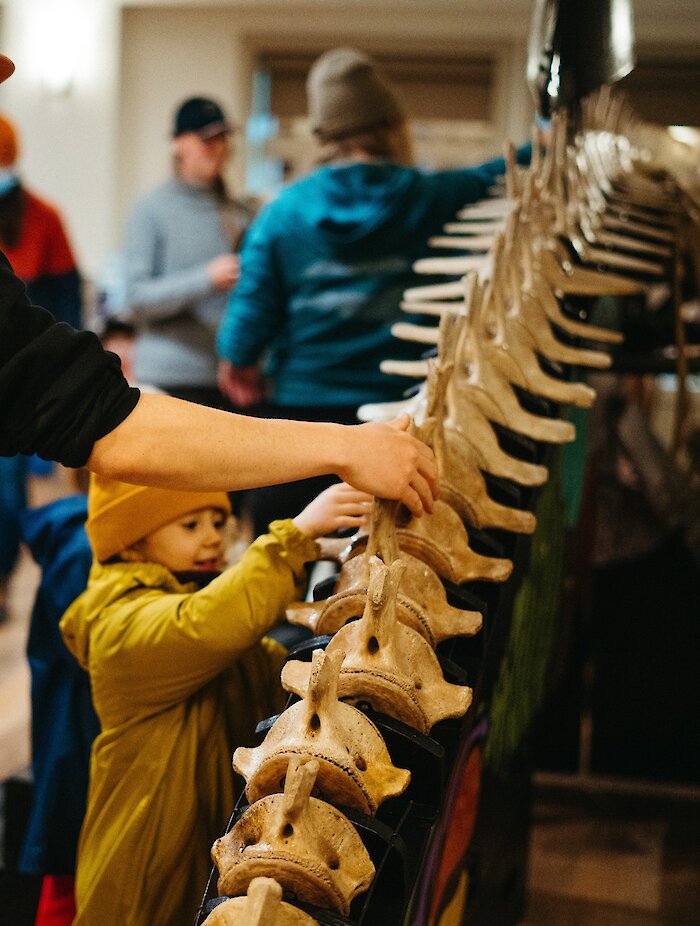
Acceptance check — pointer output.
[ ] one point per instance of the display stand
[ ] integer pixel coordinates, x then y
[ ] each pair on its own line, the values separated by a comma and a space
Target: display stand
399, 837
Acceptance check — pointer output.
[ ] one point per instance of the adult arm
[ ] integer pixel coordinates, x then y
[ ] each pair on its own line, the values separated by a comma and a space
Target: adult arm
170, 443
242, 386
470, 184
257, 305
497, 166
60, 391
64, 397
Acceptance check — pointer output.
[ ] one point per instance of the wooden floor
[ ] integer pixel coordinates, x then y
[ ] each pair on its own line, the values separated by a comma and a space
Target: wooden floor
606, 854
601, 854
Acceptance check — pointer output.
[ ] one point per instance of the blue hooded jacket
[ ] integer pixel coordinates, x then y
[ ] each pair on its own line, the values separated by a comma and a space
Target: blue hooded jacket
64, 723
323, 270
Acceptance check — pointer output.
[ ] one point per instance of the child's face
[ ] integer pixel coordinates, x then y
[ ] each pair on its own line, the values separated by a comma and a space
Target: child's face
194, 541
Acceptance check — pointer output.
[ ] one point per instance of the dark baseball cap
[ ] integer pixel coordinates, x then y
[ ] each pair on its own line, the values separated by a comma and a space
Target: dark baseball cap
203, 116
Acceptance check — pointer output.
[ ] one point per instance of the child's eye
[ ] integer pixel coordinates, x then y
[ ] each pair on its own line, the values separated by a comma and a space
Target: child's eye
190, 525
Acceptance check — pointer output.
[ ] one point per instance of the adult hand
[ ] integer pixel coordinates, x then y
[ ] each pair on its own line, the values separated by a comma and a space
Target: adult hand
242, 386
336, 507
224, 271
386, 461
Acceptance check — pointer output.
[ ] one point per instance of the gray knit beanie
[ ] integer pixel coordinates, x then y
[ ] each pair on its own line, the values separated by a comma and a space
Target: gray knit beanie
347, 94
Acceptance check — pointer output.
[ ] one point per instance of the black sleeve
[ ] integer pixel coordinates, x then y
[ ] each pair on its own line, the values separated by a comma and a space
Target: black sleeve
60, 391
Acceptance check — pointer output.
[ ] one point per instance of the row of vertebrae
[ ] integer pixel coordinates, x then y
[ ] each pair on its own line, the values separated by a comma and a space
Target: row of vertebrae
325, 744
580, 203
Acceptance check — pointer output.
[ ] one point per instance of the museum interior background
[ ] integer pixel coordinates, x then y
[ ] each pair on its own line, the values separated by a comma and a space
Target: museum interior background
616, 807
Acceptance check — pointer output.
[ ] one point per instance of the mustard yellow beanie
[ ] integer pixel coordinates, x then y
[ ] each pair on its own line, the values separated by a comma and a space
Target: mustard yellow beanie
120, 514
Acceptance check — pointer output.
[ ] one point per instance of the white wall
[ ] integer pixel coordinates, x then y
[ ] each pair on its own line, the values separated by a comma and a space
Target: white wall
96, 149
169, 53
167, 57
69, 151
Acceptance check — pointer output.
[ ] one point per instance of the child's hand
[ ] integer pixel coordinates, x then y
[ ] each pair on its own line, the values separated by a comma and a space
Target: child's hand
336, 507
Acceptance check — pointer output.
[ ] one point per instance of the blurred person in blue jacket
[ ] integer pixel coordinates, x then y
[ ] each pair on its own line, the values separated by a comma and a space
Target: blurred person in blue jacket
324, 266
64, 722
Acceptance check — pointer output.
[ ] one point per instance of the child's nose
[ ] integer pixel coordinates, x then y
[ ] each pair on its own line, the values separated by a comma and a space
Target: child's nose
213, 537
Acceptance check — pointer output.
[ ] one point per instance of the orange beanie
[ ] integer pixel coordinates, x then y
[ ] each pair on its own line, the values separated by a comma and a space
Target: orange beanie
120, 514
9, 144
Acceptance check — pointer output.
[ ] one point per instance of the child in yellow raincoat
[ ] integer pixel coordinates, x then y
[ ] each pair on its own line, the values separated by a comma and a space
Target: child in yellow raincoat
180, 675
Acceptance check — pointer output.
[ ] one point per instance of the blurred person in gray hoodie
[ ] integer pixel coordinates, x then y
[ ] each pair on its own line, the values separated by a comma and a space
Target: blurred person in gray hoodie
181, 261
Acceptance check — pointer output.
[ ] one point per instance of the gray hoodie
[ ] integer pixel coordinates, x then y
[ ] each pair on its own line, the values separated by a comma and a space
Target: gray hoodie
172, 234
